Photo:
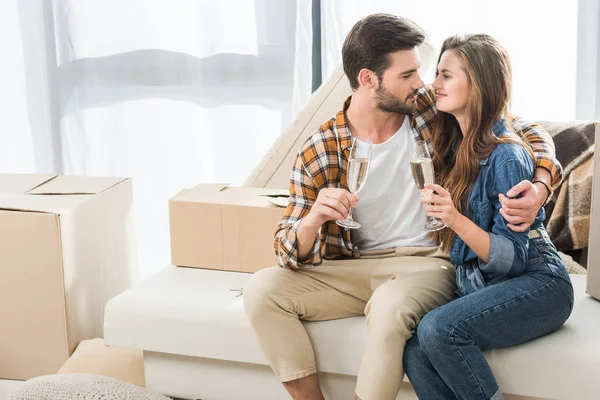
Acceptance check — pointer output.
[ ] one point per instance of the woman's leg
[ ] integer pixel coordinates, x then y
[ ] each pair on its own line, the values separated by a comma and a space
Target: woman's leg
426, 381
512, 312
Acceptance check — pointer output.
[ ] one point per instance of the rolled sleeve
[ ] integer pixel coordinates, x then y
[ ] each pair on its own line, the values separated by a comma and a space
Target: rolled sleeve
502, 259
303, 193
286, 249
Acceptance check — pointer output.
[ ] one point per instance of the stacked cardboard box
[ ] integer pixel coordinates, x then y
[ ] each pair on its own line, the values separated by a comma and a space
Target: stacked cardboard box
67, 246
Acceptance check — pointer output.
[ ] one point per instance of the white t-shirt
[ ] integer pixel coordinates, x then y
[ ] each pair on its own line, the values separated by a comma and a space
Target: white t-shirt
389, 206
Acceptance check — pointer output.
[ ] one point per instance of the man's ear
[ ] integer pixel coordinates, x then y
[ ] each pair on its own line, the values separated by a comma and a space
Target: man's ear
368, 78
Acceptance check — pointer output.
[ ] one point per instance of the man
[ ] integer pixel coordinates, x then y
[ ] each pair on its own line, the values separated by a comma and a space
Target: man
389, 269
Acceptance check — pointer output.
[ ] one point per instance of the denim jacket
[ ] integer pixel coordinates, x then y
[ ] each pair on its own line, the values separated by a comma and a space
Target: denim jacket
506, 166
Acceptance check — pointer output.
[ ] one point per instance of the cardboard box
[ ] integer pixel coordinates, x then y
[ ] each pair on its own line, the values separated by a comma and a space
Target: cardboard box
220, 227
593, 264
67, 246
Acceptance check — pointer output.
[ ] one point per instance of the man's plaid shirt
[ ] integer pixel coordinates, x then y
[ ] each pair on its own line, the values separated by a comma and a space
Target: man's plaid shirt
322, 162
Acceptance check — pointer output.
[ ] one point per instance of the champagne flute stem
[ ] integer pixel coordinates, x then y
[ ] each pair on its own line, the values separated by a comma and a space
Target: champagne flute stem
349, 213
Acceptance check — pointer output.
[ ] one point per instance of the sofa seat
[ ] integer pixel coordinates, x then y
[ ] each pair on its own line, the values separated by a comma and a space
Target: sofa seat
183, 315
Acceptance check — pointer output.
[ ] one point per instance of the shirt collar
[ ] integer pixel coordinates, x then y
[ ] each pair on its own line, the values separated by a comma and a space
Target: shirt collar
341, 126
498, 129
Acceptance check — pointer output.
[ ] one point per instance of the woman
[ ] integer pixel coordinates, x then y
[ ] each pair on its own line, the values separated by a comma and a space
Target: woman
512, 286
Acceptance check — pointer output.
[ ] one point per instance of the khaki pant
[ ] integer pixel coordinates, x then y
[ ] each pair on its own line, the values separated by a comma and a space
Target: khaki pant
394, 289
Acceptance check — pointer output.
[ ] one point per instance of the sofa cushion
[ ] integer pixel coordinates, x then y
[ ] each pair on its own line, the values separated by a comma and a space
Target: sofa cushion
193, 312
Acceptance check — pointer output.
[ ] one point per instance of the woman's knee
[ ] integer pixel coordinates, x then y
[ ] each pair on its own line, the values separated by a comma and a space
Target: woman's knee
436, 330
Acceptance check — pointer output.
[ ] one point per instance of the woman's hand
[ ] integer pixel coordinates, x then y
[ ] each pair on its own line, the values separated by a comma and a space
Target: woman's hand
440, 205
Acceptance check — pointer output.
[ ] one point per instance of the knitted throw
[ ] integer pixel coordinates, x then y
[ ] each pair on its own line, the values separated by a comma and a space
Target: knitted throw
81, 387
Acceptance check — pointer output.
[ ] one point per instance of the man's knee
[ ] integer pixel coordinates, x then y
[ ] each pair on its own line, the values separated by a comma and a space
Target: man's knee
393, 311
261, 289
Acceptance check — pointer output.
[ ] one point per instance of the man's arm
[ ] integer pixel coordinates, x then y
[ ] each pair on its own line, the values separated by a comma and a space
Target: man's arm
289, 250
423, 118
540, 141
311, 205
520, 213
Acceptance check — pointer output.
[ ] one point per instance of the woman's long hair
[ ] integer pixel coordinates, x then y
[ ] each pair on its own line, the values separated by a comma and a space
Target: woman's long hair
487, 66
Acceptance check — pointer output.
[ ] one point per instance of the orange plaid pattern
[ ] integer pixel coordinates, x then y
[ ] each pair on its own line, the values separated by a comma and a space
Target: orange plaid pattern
322, 162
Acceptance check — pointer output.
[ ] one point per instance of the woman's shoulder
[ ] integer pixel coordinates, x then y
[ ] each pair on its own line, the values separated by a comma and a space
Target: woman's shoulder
511, 151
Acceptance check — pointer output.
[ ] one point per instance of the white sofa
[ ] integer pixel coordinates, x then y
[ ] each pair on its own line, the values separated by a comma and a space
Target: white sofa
198, 344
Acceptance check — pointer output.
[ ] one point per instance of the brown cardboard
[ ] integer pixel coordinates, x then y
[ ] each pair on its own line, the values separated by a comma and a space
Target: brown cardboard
66, 248
593, 264
221, 227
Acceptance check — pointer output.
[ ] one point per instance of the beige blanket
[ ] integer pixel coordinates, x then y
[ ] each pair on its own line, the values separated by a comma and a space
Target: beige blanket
568, 212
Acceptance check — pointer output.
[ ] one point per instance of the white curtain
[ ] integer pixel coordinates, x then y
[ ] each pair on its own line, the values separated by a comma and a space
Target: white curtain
588, 66
176, 93
172, 94
540, 36
27, 107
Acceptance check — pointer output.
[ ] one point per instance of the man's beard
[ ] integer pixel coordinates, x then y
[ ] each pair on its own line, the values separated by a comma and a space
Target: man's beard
390, 103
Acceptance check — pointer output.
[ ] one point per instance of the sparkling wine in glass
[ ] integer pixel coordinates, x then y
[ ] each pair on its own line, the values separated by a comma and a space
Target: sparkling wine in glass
358, 170
421, 166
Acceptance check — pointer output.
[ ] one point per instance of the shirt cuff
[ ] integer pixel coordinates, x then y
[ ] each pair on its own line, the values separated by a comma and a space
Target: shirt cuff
502, 255
543, 161
288, 250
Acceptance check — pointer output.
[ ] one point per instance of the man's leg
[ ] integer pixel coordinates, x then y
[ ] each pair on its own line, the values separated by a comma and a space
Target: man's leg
305, 388
276, 299
405, 289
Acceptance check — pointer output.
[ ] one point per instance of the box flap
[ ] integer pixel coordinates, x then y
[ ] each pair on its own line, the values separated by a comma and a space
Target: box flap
275, 192
199, 191
21, 183
220, 193
279, 201
278, 197
209, 188
74, 185
45, 204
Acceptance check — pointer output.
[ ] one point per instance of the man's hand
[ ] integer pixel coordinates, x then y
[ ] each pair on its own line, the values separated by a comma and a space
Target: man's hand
331, 204
522, 211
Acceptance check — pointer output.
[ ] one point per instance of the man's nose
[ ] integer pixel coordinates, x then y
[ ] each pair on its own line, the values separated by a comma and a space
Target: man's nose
418, 83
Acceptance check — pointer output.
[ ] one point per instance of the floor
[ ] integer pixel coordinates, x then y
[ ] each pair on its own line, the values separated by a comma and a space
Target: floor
8, 386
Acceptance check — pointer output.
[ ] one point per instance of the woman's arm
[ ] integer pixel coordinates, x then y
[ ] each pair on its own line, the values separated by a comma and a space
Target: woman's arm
501, 251
443, 208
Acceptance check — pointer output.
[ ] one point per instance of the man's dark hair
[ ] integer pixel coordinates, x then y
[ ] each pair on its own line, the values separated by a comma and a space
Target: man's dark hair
372, 39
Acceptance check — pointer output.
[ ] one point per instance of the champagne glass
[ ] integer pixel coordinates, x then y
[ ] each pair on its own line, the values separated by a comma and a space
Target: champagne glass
358, 168
421, 166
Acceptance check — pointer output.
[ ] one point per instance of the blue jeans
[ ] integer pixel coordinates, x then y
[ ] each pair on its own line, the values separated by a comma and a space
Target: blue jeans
444, 359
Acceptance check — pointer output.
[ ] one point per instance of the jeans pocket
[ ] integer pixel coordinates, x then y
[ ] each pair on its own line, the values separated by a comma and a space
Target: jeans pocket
548, 251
